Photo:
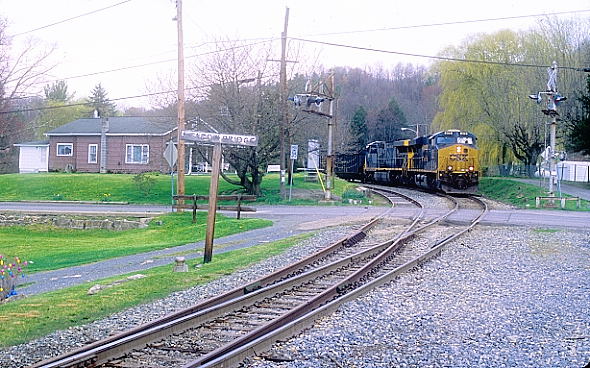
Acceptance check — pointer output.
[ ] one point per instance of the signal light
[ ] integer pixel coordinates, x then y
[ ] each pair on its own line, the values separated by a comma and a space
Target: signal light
314, 100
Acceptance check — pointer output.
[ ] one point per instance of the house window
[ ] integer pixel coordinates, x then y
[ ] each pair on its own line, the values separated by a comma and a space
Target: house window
92, 153
65, 149
137, 154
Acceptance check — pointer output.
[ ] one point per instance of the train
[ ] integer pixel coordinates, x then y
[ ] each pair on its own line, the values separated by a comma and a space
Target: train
446, 161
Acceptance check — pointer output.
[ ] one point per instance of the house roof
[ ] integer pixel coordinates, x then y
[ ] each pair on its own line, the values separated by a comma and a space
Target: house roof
119, 125
32, 144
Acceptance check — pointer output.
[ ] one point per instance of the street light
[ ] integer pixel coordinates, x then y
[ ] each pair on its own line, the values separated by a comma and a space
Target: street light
411, 130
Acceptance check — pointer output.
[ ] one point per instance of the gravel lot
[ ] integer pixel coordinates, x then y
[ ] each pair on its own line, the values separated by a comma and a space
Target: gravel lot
499, 297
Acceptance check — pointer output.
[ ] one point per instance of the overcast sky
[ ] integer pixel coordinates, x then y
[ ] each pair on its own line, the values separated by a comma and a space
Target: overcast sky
143, 31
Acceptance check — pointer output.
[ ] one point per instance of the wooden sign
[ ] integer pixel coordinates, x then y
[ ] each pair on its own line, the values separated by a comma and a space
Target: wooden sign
208, 137
217, 139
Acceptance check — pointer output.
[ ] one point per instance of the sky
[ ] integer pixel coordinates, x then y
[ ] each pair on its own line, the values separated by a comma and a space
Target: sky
136, 32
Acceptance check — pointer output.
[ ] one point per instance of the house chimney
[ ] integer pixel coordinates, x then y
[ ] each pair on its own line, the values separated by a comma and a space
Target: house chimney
103, 144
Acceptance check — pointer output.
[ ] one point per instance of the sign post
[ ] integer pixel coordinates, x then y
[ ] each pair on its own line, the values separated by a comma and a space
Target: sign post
171, 155
294, 149
212, 210
217, 139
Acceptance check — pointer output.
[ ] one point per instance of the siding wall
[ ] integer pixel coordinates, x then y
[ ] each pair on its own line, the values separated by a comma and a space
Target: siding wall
116, 151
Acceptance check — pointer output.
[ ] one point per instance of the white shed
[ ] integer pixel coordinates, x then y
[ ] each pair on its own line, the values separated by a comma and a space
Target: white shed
574, 171
33, 157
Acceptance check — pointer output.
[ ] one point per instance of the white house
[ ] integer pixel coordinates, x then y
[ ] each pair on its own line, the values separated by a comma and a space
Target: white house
33, 157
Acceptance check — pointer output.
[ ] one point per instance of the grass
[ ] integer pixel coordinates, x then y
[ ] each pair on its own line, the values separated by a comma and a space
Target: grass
96, 187
520, 194
24, 319
122, 188
52, 248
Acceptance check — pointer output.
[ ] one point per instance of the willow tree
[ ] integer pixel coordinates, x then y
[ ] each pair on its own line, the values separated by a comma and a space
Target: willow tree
490, 96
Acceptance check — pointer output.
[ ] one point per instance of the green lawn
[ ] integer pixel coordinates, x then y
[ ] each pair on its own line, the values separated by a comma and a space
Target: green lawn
52, 248
519, 194
122, 188
24, 319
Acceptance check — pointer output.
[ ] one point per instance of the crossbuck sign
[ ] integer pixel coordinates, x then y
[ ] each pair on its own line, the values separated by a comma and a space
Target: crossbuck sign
208, 137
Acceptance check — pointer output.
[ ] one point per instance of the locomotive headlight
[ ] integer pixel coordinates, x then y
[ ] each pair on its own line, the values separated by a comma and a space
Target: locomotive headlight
449, 168
458, 149
470, 168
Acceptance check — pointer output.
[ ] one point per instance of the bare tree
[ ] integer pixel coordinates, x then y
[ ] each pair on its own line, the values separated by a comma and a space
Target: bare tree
240, 97
18, 74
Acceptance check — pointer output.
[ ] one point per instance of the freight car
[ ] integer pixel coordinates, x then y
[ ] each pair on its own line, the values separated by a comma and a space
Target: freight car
446, 161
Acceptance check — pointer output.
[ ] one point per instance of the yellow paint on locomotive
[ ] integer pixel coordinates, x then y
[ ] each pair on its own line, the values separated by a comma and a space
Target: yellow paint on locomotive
458, 158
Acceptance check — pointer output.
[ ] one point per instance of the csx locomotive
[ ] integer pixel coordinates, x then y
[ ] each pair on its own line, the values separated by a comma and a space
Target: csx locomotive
446, 161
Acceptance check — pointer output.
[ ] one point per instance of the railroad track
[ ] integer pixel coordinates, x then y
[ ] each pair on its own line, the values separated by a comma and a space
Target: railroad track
224, 330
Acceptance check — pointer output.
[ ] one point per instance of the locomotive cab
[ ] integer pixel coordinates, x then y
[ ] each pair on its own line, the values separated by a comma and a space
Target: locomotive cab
457, 167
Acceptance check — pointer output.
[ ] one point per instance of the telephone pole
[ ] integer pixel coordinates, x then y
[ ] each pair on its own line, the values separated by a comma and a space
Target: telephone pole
317, 97
283, 98
180, 163
330, 153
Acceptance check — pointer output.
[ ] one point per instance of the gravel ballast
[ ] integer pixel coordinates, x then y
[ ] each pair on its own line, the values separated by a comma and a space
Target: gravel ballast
498, 297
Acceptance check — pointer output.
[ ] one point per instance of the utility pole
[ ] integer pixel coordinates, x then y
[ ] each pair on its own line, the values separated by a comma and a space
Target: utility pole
330, 153
283, 98
553, 100
181, 112
311, 98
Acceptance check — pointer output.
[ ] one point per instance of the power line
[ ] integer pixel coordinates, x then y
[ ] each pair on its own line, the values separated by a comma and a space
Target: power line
69, 19
449, 23
153, 63
430, 56
114, 99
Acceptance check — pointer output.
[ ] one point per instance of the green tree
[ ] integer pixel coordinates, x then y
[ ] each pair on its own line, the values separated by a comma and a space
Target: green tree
57, 113
359, 131
580, 135
98, 100
491, 99
389, 122
58, 91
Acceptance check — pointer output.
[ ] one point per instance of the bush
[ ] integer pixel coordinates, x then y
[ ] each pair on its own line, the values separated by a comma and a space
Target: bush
10, 272
351, 192
145, 182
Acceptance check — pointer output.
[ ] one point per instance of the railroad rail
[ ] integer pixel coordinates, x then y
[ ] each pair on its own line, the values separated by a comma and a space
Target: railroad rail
378, 271
222, 331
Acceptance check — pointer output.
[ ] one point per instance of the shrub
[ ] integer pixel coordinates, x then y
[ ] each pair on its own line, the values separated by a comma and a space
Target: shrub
351, 192
10, 273
145, 182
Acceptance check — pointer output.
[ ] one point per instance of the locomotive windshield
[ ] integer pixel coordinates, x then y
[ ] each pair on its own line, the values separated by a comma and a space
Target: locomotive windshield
452, 139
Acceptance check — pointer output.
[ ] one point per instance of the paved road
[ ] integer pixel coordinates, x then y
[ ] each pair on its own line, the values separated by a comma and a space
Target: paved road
287, 221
